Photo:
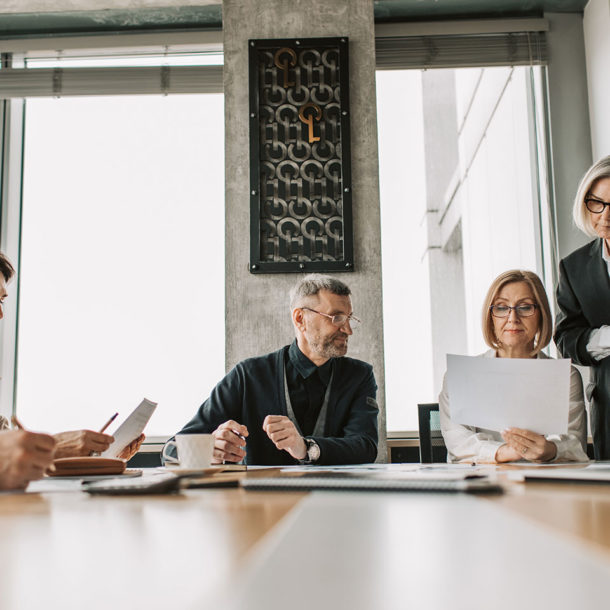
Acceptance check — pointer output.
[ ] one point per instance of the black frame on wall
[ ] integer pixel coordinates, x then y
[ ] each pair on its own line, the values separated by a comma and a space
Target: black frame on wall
300, 159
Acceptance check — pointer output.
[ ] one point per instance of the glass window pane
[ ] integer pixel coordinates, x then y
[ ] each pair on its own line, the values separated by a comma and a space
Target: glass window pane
462, 200
122, 261
406, 305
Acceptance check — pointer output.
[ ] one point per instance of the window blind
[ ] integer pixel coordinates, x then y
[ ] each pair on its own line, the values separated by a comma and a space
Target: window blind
461, 51
63, 82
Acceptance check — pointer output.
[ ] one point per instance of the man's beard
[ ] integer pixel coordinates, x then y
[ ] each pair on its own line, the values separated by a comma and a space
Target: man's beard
326, 347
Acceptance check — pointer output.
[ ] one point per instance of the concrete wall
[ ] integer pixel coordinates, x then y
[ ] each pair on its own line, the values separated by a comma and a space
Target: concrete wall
596, 24
47, 6
570, 128
257, 314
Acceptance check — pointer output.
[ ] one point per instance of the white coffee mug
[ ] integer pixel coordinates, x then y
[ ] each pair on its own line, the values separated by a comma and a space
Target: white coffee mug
194, 451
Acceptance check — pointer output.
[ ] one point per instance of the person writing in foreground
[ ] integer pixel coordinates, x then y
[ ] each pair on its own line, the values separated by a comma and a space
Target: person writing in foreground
517, 323
24, 455
583, 297
304, 403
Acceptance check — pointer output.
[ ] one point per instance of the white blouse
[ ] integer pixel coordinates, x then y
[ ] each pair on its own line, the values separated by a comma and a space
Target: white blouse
470, 444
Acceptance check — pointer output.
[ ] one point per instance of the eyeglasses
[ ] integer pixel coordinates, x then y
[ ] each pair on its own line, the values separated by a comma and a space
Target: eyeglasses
523, 311
339, 319
596, 206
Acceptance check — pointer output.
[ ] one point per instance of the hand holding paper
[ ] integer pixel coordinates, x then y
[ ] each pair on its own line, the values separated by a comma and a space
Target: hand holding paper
500, 393
131, 429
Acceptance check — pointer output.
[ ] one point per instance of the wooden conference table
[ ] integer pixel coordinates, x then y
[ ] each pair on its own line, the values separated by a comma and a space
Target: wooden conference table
537, 545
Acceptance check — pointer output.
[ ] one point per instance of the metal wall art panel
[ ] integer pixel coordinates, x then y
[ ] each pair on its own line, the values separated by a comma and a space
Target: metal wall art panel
300, 175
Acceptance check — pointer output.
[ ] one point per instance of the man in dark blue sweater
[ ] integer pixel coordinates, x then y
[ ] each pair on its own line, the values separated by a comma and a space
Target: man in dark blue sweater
305, 403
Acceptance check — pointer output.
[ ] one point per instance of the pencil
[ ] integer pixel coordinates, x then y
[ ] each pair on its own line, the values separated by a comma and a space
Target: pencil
109, 422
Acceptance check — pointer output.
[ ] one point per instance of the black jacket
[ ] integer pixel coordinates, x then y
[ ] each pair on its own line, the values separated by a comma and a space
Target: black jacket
583, 299
255, 388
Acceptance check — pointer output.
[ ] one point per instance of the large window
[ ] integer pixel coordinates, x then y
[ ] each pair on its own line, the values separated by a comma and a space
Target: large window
121, 266
463, 199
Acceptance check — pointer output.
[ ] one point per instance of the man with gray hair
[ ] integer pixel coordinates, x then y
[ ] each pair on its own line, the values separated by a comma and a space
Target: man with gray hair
306, 402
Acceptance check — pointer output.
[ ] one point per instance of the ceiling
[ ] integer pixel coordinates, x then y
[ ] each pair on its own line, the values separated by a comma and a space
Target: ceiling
16, 25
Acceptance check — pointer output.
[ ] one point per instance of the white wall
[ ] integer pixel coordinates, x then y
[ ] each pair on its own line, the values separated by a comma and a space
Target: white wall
596, 24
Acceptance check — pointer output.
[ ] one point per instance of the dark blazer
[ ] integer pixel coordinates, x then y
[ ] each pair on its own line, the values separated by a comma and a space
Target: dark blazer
255, 388
583, 298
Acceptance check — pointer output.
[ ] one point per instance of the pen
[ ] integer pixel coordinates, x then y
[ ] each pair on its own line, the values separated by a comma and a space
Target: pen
243, 438
108, 422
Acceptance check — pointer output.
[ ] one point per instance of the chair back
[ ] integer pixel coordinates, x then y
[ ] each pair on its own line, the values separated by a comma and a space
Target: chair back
431, 443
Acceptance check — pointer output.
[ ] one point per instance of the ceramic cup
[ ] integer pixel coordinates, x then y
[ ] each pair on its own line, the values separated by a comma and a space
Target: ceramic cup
194, 451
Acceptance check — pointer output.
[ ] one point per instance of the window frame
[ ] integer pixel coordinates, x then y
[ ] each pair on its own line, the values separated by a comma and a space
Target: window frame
12, 132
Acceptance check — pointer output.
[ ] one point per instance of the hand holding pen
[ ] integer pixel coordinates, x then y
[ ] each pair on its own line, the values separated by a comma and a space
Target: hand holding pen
76, 443
229, 443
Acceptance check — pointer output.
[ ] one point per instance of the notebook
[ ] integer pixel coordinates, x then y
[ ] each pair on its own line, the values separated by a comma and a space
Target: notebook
374, 481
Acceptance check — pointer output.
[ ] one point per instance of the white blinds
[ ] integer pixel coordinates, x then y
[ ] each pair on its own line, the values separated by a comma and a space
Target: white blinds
456, 50
63, 82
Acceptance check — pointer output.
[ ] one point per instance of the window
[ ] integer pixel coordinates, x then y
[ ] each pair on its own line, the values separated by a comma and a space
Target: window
463, 198
121, 262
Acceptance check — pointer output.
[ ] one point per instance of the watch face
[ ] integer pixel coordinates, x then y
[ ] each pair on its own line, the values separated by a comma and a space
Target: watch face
313, 451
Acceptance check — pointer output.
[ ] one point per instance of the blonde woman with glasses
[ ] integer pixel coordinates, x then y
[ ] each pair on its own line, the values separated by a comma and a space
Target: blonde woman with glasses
517, 323
583, 297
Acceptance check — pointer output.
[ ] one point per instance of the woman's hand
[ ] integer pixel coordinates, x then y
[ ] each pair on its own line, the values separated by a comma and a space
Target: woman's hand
529, 446
506, 453
77, 443
132, 448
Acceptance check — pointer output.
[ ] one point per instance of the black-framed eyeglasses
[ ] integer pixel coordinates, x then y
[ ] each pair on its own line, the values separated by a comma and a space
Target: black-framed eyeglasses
596, 206
339, 319
523, 311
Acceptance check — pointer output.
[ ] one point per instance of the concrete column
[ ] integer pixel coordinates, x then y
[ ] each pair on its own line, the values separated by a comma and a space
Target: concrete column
570, 129
257, 313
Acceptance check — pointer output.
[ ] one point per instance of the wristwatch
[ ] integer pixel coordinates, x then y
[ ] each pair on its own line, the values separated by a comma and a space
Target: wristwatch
313, 450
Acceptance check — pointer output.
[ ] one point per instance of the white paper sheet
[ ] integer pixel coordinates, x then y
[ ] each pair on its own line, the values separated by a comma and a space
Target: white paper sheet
499, 393
131, 428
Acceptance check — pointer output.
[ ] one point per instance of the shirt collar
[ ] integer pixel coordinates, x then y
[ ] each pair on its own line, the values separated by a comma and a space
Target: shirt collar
605, 254
305, 367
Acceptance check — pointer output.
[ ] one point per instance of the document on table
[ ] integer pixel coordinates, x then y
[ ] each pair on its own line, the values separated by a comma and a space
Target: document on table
594, 473
499, 393
131, 428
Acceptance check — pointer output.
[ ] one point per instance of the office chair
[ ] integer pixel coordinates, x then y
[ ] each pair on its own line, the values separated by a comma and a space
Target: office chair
431, 443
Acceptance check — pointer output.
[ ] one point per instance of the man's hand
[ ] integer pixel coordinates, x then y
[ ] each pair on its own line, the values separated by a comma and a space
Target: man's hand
229, 446
529, 445
132, 448
285, 436
81, 442
24, 456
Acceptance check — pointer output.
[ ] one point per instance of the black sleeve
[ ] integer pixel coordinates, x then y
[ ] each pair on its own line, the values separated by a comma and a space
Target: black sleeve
572, 330
223, 404
358, 445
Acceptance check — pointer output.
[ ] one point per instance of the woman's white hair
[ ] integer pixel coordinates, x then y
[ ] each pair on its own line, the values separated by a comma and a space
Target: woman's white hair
582, 216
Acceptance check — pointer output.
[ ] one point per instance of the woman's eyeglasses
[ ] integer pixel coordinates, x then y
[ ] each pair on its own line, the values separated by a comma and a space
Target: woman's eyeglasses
596, 206
523, 311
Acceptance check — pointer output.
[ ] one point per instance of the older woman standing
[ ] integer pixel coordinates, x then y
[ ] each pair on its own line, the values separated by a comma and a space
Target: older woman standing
517, 323
583, 297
